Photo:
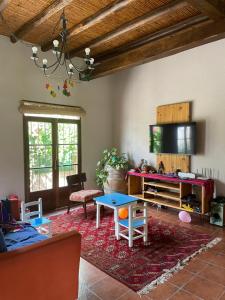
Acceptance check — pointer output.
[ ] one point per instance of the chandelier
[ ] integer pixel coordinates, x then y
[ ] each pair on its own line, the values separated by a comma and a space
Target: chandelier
62, 57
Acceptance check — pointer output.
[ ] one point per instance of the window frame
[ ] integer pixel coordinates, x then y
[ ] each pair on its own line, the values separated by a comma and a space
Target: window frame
54, 122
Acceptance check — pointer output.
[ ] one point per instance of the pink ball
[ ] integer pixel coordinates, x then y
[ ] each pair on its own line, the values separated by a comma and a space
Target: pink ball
184, 216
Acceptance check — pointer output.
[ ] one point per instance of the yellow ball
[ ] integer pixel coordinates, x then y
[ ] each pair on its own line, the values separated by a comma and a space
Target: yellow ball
123, 213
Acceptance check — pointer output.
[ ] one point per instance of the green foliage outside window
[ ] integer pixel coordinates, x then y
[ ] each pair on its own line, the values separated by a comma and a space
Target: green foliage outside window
40, 144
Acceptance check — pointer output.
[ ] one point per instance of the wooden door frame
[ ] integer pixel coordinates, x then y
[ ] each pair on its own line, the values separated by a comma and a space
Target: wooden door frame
69, 121
54, 122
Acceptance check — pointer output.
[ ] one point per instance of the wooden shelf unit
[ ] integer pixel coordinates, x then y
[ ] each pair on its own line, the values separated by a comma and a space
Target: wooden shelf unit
168, 193
170, 186
158, 200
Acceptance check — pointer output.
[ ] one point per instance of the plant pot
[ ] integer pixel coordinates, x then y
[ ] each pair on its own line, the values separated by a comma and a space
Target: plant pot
116, 181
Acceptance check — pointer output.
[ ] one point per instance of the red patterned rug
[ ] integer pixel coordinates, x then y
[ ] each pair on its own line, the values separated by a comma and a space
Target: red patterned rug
137, 267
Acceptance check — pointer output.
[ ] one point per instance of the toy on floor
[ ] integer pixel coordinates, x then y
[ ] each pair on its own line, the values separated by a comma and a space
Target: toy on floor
187, 207
123, 213
184, 217
191, 203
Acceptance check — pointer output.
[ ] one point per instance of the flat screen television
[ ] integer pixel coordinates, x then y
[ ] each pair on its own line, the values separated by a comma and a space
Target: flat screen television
177, 138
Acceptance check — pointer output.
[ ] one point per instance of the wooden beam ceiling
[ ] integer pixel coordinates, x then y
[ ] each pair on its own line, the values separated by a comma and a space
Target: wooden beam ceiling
96, 18
104, 13
151, 37
143, 33
132, 25
191, 37
214, 9
39, 19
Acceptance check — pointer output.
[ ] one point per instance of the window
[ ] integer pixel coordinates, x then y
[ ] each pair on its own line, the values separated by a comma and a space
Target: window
52, 152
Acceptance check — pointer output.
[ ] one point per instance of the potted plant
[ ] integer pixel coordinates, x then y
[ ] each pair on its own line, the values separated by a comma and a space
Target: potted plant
111, 171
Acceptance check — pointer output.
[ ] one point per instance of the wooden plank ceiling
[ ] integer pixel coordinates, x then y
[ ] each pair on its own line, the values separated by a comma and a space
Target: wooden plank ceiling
120, 33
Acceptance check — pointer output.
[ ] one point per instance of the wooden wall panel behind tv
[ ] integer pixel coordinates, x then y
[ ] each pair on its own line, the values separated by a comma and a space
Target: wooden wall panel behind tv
174, 113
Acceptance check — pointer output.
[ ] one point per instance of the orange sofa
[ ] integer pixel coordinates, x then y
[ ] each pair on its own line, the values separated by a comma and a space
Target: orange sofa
48, 270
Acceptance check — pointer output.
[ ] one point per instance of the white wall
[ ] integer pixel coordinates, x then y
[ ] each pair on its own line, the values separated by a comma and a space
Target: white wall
197, 75
20, 79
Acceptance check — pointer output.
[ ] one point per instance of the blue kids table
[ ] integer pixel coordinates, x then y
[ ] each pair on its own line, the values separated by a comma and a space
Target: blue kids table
114, 201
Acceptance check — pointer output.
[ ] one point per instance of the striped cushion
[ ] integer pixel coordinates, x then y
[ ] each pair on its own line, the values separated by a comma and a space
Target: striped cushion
85, 195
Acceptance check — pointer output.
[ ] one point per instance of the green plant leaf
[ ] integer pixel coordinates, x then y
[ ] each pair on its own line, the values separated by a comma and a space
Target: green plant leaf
110, 158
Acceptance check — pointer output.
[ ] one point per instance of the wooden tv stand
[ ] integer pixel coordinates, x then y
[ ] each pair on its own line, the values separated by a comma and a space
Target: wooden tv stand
170, 190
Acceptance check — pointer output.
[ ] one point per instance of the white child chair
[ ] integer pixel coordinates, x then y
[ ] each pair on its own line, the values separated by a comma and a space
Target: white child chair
133, 224
35, 217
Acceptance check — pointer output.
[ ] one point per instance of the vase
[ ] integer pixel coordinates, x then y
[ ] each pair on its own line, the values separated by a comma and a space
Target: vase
116, 181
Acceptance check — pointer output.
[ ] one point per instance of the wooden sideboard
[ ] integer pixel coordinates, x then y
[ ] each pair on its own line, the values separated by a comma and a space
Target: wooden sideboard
170, 190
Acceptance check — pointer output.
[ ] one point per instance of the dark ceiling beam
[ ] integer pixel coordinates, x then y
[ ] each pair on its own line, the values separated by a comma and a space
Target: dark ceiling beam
94, 19
40, 18
186, 39
214, 9
131, 25
151, 37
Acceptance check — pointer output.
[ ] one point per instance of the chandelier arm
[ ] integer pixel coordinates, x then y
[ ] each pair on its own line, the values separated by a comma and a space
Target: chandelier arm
69, 59
47, 75
50, 71
38, 65
59, 57
76, 68
52, 65
66, 66
67, 54
63, 60
67, 71
56, 67
56, 63
64, 51
58, 60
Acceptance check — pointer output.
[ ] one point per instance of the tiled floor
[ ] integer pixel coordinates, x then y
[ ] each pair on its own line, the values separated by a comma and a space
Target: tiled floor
203, 278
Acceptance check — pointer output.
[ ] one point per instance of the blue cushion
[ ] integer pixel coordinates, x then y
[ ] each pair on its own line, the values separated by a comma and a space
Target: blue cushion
24, 237
3, 247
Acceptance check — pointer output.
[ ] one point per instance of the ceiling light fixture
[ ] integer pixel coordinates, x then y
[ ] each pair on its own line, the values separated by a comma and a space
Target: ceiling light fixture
62, 57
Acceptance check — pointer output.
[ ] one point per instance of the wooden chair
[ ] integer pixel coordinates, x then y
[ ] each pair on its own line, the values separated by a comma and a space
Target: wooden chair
133, 224
78, 193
